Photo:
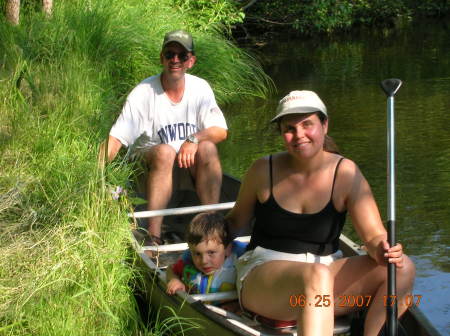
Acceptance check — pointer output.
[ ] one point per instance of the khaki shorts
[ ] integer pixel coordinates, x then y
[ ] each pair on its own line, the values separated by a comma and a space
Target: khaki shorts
181, 179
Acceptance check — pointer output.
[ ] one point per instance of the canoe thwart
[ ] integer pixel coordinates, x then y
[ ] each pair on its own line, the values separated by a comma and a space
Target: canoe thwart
181, 246
182, 211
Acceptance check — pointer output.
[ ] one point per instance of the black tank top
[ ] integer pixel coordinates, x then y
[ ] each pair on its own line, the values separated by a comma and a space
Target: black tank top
278, 229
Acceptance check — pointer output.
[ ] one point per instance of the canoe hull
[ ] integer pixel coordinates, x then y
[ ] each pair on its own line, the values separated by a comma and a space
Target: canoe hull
199, 318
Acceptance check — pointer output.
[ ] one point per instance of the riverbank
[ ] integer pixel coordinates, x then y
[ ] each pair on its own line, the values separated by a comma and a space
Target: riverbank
64, 265
254, 38
312, 18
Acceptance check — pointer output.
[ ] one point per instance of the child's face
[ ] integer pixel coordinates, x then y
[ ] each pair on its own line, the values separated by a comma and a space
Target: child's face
208, 255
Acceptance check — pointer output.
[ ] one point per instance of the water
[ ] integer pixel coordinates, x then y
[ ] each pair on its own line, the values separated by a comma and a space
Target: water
346, 73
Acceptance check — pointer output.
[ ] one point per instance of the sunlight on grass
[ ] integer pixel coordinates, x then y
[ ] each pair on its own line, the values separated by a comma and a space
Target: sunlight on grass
65, 263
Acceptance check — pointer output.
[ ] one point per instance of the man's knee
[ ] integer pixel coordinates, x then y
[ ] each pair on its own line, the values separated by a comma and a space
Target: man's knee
161, 156
207, 151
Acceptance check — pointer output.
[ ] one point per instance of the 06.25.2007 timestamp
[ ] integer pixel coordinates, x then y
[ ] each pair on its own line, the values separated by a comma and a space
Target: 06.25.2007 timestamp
300, 300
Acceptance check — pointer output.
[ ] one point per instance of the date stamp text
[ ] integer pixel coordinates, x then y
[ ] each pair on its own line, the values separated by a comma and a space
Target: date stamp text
301, 301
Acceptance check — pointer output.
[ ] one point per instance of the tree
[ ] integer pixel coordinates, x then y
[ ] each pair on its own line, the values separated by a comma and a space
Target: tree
13, 11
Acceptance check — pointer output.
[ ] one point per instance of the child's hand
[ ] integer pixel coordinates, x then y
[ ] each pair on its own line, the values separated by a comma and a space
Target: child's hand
175, 285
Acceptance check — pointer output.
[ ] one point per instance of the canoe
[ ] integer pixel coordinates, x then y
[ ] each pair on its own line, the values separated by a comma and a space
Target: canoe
209, 319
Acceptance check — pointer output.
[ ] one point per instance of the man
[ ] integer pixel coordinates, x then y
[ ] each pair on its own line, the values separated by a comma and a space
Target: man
173, 121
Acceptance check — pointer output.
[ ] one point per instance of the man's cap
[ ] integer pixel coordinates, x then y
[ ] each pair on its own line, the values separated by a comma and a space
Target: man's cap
180, 36
300, 102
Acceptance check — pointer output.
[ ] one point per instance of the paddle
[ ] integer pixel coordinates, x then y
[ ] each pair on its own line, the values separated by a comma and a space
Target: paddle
390, 87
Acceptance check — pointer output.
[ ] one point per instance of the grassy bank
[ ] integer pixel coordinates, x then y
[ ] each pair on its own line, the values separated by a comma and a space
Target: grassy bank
63, 240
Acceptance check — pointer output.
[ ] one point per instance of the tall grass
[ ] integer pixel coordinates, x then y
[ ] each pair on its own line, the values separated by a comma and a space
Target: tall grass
63, 240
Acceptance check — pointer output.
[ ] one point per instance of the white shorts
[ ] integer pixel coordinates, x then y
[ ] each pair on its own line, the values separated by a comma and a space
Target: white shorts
260, 255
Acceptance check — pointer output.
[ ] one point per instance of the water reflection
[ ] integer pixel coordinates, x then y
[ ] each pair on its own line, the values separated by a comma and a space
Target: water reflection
346, 72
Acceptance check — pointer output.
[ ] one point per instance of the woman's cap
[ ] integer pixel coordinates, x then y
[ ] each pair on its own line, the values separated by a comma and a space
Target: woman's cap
300, 102
180, 36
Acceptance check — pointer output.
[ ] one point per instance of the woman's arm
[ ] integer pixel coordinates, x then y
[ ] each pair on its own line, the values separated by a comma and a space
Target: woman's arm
243, 211
366, 217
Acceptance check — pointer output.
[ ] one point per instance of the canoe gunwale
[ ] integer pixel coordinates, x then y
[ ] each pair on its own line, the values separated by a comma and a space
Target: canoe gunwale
417, 323
181, 298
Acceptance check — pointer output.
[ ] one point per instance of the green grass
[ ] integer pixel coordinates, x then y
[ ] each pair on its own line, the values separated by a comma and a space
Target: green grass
63, 240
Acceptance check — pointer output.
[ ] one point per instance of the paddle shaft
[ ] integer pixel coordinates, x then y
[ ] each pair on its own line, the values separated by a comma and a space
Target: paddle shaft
390, 87
391, 309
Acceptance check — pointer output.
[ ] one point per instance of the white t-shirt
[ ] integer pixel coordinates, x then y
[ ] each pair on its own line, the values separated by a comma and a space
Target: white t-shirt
149, 117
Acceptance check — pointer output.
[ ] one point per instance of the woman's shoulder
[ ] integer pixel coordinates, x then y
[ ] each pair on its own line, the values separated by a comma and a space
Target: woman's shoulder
259, 164
257, 176
347, 166
347, 173
262, 164
342, 163
257, 169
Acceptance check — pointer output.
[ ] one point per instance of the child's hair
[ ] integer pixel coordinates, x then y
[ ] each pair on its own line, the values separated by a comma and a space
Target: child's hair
207, 225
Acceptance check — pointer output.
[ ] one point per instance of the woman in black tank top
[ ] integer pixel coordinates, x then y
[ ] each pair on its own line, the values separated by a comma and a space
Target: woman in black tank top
298, 200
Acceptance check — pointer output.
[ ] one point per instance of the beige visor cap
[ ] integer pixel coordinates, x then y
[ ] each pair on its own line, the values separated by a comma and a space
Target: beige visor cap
300, 102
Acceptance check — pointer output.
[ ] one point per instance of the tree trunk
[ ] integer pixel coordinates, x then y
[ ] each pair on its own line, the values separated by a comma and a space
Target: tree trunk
13, 11
47, 6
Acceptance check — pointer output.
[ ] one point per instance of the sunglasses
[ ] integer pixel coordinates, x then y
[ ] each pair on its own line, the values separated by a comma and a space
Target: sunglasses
182, 56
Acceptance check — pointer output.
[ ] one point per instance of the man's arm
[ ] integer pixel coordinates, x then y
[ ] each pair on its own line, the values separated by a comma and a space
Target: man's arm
214, 134
108, 150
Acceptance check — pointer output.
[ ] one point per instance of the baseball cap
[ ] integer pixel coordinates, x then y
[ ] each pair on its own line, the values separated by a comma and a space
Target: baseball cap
300, 102
180, 36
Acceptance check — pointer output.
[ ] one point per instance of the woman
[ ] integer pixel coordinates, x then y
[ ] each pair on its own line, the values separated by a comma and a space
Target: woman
299, 199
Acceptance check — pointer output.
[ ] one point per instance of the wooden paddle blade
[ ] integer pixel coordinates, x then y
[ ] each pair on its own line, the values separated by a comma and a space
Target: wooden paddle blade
390, 86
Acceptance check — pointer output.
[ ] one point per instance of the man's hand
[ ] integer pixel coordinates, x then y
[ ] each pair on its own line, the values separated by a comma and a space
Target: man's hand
186, 154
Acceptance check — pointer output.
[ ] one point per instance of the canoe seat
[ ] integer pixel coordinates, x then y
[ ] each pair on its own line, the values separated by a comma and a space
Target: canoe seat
342, 324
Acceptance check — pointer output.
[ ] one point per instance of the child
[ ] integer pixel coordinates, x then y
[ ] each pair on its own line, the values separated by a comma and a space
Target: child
208, 265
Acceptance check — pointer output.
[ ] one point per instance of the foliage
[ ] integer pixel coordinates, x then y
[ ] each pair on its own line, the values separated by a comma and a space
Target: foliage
307, 16
63, 240
207, 13
379, 12
325, 16
430, 7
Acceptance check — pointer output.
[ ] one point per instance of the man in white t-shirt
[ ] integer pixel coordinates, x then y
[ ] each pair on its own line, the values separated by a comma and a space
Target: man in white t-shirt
172, 119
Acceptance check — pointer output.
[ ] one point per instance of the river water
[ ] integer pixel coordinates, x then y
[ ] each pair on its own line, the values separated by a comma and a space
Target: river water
346, 71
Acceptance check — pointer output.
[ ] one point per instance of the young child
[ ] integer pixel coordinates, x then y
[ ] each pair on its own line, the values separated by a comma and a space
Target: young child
208, 265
